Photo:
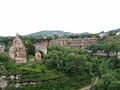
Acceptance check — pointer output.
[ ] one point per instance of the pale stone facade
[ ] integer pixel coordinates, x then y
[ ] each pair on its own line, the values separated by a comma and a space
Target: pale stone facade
102, 53
78, 43
118, 55
42, 47
17, 50
118, 33
103, 34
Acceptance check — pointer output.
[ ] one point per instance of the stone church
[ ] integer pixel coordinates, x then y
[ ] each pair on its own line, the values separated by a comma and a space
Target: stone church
17, 51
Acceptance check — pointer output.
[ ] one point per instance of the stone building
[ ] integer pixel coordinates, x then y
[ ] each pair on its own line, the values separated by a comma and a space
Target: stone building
77, 42
2, 48
103, 34
81, 42
17, 50
61, 42
41, 47
118, 33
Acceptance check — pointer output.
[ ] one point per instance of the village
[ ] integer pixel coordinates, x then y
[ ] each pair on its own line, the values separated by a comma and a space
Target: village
63, 55
59, 45
18, 53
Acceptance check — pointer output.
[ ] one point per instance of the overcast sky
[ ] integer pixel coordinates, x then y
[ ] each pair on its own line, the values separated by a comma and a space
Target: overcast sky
28, 16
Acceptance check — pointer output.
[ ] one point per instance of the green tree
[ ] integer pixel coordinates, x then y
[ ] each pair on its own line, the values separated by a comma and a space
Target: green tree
30, 48
115, 85
4, 57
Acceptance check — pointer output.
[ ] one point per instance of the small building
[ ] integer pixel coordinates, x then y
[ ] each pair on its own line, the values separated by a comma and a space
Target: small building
17, 51
76, 42
103, 34
118, 33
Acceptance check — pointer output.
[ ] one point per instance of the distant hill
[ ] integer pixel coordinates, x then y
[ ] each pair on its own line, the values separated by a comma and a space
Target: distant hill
50, 33
84, 33
115, 30
53, 32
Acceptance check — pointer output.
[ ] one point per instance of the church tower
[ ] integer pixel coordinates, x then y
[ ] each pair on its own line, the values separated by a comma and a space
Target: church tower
17, 50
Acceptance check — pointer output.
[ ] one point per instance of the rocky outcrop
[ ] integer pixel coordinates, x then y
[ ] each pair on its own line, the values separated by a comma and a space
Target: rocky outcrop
42, 47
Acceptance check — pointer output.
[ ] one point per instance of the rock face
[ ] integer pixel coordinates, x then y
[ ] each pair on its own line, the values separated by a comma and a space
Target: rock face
42, 47
2, 48
78, 43
17, 50
38, 56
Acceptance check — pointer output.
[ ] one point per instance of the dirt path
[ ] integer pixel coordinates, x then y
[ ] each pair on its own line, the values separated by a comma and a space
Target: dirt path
92, 84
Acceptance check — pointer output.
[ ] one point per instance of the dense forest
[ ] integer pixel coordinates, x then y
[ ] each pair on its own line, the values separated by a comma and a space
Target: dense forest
63, 68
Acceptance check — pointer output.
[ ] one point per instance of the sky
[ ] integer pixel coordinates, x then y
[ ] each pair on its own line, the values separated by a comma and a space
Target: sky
76, 16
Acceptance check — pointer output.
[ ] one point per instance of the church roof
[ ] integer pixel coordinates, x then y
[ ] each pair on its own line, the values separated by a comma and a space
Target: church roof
17, 36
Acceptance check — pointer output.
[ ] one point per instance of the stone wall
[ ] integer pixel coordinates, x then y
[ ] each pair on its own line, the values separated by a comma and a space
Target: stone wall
79, 43
41, 46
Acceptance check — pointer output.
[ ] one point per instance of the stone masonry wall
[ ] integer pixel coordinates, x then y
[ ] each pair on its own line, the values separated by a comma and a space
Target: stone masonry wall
78, 43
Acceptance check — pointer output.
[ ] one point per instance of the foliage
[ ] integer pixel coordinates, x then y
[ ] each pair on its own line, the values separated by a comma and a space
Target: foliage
4, 57
30, 48
106, 47
64, 67
69, 60
83, 36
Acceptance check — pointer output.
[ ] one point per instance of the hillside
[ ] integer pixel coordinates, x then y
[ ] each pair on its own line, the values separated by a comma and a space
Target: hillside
115, 30
63, 67
50, 33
